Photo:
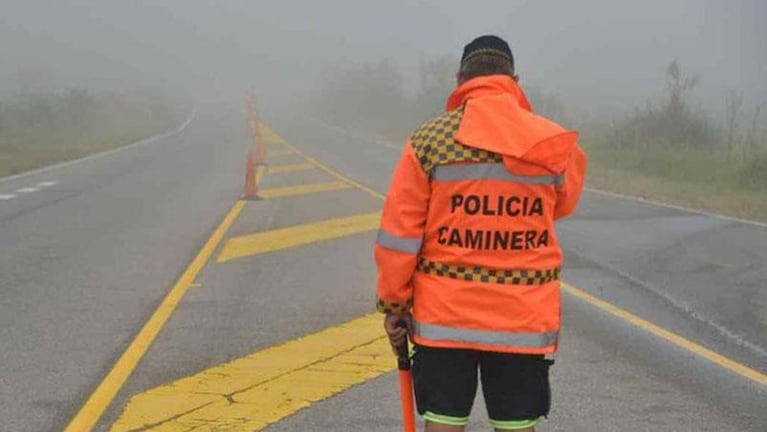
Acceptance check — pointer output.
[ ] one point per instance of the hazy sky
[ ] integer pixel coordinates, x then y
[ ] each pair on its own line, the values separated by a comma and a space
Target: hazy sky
599, 54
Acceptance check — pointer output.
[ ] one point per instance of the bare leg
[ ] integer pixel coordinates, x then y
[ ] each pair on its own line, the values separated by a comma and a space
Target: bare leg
437, 427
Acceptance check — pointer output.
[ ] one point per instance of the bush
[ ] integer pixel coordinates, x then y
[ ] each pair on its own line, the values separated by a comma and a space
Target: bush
370, 97
753, 174
670, 124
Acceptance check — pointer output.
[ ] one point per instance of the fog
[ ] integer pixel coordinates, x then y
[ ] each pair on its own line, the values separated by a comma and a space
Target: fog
599, 56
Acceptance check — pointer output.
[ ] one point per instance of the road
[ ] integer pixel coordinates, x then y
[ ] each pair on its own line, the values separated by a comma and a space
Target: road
268, 322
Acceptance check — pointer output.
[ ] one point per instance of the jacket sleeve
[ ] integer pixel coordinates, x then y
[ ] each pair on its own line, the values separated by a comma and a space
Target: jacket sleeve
575, 177
401, 233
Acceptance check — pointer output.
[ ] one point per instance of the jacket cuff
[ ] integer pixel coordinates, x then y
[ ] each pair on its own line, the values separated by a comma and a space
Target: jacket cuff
396, 307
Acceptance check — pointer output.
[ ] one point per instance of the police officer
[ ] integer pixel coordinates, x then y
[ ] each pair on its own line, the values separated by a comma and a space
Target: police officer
467, 253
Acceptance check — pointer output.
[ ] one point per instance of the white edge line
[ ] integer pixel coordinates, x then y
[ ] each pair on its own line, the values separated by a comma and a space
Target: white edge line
27, 190
7, 197
144, 141
676, 207
599, 191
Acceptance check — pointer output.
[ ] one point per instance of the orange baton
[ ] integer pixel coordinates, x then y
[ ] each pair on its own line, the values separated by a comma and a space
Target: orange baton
405, 385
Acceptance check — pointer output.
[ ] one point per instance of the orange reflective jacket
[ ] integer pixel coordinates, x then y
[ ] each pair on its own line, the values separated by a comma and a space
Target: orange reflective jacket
467, 235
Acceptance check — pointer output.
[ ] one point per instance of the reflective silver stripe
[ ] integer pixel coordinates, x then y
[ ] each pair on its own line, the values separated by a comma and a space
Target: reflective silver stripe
494, 171
388, 240
489, 337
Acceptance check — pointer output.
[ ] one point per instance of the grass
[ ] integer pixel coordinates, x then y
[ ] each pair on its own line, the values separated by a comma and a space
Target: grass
696, 179
702, 180
16, 158
39, 130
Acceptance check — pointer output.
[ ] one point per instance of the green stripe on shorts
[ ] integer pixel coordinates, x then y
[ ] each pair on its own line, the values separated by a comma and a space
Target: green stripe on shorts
446, 420
514, 424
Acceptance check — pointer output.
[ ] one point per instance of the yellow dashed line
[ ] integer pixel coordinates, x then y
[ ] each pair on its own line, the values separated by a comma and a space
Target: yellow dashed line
302, 189
270, 137
251, 392
268, 241
284, 152
288, 168
337, 174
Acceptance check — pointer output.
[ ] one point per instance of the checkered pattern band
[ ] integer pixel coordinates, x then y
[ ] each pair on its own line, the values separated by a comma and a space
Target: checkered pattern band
489, 275
434, 144
398, 308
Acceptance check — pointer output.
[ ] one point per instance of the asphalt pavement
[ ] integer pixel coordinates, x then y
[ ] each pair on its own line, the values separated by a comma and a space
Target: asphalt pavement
91, 252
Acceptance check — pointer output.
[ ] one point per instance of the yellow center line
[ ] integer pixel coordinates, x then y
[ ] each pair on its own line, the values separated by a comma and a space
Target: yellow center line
303, 189
282, 238
668, 335
288, 168
94, 407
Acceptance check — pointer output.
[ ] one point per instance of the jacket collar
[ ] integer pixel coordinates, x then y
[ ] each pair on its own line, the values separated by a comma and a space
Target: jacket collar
487, 86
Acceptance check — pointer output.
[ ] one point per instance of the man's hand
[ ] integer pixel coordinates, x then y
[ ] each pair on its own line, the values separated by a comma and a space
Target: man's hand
397, 335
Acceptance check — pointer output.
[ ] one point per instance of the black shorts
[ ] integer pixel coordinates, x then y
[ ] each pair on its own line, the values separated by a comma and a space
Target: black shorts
515, 386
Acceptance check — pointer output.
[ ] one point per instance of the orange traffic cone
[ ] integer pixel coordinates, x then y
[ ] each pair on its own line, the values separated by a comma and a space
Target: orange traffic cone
250, 192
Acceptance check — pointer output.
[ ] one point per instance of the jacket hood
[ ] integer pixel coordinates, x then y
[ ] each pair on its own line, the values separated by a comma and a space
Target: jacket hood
498, 117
